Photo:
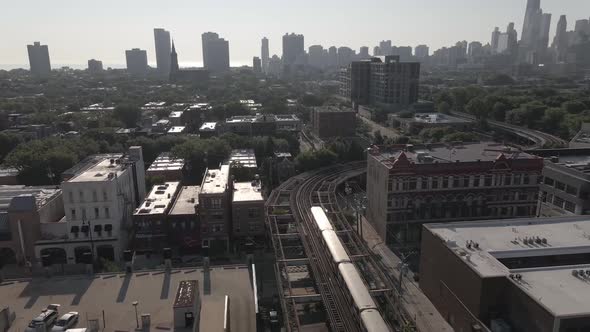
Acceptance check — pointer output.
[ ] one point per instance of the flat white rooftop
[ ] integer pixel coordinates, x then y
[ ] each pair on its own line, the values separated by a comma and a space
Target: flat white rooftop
247, 192
105, 170
215, 181
159, 199
244, 157
554, 287
187, 199
208, 126
165, 162
176, 130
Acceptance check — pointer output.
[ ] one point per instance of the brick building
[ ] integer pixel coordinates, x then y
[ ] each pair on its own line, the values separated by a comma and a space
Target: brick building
248, 212
332, 121
408, 186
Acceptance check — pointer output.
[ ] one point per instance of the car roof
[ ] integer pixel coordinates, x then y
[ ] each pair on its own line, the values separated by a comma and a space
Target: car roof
45, 314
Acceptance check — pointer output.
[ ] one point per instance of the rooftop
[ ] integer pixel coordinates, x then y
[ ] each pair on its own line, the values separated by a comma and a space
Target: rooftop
435, 118
186, 200
244, 157
104, 170
200, 107
165, 162
247, 192
332, 109
215, 180
176, 114
208, 126
159, 199
153, 104
448, 153
176, 130
482, 245
155, 292
42, 195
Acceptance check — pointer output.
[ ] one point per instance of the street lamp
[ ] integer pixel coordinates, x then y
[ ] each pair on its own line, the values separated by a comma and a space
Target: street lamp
87, 222
135, 303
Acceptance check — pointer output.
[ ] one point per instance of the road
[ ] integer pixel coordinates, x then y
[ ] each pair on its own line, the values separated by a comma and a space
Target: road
426, 316
385, 131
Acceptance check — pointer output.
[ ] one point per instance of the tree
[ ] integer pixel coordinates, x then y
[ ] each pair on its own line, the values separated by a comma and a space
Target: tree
573, 107
311, 160
478, 108
128, 114
200, 154
444, 107
378, 138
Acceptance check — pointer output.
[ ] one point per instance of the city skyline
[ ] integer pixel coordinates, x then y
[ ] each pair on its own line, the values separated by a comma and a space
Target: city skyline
416, 26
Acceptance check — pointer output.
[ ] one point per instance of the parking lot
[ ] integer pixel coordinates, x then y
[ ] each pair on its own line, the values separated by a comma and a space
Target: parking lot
108, 298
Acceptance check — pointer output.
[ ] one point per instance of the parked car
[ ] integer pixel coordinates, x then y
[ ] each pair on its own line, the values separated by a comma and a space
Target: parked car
45, 319
66, 321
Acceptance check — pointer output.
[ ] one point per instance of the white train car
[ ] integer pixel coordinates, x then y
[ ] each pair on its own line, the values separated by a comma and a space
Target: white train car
357, 288
373, 321
334, 245
321, 219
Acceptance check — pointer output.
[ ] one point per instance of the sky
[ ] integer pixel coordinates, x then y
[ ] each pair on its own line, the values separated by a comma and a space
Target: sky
78, 30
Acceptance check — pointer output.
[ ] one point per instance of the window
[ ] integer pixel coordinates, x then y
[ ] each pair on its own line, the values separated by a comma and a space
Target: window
73, 214
94, 196
424, 183
217, 216
215, 203
558, 201
517, 178
107, 212
71, 196
105, 196
526, 179
560, 185
81, 193
456, 182
571, 207
466, 181
96, 213
434, 183
253, 213
83, 214
507, 180
476, 181
412, 184
488, 180
571, 190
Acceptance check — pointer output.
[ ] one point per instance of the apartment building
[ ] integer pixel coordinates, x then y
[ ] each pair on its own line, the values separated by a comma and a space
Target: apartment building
215, 210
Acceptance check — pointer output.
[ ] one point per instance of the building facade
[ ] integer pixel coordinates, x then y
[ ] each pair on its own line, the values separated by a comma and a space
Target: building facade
215, 52
137, 64
248, 213
215, 210
39, 59
323, 120
94, 66
163, 51
408, 186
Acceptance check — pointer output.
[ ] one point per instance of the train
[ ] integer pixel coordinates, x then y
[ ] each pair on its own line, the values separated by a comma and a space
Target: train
365, 307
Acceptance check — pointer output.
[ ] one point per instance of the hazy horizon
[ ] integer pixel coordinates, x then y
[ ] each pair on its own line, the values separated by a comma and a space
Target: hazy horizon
74, 36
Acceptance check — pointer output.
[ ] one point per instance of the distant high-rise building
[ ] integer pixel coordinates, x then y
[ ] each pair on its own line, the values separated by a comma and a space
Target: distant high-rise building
174, 67
544, 31
162, 43
422, 51
293, 48
39, 59
137, 64
512, 39
196, 76
333, 56
532, 22
275, 66
257, 64
316, 56
376, 51
385, 47
94, 66
474, 50
364, 52
264, 54
495, 39
345, 56
404, 52
561, 40
581, 31
215, 52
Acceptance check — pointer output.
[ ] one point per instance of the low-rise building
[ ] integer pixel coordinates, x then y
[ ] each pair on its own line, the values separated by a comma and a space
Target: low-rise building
243, 164
167, 167
513, 275
408, 186
331, 121
150, 227
215, 210
176, 130
261, 124
208, 129
161, 126
184, 226
247, 212
419, 121
176, 118
582, 138
283, 167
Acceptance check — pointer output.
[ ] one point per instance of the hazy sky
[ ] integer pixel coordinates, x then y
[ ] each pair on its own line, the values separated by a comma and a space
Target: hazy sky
77, 30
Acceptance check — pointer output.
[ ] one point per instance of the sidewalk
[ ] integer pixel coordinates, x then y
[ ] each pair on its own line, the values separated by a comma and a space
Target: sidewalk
416, 303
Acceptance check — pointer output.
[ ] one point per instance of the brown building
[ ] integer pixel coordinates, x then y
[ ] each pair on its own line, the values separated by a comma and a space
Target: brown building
184, 227
408, 186
248, 212
215, 210
332, 121
150, 228
170, 169
512, 275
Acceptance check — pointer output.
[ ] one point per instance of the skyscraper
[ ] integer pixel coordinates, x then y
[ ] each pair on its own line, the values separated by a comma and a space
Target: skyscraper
316, 56
332, 56
364, 52
137, 64
293, 47
162, 41
495, 40
345, 56
174, 67
39, 59
256, 64
265, 55
561, 40
94, 66
385, 47
531, 25
544, 31
421, 51
215, 52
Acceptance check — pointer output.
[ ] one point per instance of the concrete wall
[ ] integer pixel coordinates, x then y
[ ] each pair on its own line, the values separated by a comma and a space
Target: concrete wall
377, 182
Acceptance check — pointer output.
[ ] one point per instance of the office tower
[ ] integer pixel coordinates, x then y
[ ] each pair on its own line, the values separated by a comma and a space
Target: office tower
495, 39
256, 64
581, 31
376, 51
316, 56
385, 47
293, 48
39, 59
275, 66
544, 31
532, 22
215, 52
332, 56
561, 40
94, 66
422, 51
162, 43
197, 76
265, 55
345, 56
404, 52
474, 50
382, 81
512, 39
364, 52
137, 64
